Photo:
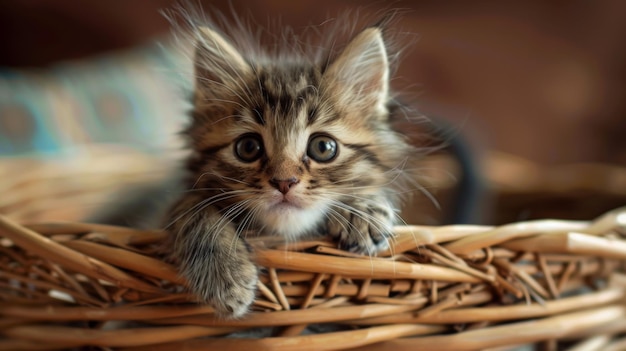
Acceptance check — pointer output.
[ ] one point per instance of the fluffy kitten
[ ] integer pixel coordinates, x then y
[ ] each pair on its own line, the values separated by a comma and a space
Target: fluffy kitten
287, 145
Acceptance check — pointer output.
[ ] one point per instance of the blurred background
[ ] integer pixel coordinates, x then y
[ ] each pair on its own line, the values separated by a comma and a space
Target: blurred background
540, 82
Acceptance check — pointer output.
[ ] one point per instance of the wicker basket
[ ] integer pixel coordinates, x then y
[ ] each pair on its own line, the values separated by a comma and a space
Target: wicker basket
558, 284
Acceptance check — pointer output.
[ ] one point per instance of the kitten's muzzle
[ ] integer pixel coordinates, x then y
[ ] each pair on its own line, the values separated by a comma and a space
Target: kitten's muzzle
283, 185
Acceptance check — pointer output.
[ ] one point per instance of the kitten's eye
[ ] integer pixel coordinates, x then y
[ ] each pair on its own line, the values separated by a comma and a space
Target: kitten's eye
322, 148
249, 147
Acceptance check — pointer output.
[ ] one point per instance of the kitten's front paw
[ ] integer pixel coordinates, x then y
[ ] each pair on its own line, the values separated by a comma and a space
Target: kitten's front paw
366, 228
235, 288
227, 282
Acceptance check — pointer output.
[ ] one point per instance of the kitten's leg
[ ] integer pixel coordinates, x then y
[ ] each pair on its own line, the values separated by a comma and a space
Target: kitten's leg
214, 261
364, 225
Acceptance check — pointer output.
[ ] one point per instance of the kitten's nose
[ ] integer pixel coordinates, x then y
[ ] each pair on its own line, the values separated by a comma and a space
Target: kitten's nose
283, 185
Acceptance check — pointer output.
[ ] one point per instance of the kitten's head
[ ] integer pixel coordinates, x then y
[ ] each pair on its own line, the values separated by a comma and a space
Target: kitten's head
287, 140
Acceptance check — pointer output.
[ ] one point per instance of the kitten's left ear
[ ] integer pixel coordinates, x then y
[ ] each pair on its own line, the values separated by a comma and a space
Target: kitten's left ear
362, 70
217, 62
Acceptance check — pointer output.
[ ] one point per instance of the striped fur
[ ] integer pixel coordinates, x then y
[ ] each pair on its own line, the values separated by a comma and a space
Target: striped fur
285, 102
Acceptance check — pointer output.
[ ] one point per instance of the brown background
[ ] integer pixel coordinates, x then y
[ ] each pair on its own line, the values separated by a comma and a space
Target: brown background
543, 80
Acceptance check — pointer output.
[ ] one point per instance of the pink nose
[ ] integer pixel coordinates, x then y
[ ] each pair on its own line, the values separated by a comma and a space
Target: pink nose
283, 185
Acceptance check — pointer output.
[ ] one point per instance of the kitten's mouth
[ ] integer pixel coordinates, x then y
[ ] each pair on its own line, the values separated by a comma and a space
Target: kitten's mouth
285, 203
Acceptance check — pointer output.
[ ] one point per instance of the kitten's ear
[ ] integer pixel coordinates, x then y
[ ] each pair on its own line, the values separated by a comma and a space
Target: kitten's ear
216, 61
362, 70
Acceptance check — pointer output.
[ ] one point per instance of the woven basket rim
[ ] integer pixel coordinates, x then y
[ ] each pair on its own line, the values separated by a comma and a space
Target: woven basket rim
432, 278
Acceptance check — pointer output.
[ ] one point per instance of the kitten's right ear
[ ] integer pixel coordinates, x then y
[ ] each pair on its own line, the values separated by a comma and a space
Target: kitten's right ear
217, 62
361, 72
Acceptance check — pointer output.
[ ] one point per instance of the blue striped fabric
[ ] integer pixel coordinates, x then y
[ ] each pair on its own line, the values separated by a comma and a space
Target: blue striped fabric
133, 98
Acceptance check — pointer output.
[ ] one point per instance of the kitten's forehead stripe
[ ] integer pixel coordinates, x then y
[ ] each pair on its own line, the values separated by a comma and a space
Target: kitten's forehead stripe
288, 90
311, 115
259, 115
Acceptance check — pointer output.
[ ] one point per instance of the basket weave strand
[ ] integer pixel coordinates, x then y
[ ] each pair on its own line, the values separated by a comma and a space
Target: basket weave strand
67, 285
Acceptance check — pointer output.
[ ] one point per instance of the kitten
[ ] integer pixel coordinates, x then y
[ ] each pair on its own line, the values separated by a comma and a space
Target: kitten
287, 145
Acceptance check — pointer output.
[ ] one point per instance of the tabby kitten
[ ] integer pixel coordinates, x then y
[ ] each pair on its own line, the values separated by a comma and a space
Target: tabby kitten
285, 145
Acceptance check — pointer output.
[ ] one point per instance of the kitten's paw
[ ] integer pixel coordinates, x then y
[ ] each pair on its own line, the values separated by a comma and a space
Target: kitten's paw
235, 288
228, 283
365, 229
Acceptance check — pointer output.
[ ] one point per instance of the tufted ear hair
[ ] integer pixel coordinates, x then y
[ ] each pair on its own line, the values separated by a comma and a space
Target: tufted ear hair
361, 71
217, 64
